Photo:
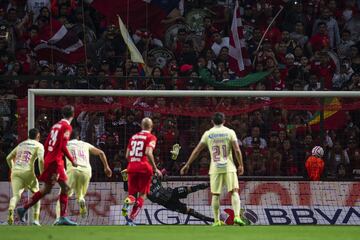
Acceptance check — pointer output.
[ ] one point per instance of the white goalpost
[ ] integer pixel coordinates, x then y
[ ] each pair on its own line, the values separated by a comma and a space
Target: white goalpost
155, 214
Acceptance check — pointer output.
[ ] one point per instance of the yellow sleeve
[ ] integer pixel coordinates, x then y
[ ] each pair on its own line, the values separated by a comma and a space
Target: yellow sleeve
204, 137
233, 136
40, 157
89, 146
10, 157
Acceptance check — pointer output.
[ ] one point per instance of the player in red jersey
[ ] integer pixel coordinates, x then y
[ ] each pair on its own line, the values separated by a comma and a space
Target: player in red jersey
141, 167
54, 171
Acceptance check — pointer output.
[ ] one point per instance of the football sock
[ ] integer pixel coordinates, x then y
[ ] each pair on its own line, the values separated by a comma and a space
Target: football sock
57, 209
215, 204
200, 216
37, 211
34, 199
63, 204
235, 203
136, 208
36, 216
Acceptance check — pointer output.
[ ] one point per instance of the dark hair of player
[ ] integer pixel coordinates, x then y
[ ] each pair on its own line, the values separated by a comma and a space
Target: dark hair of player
75, 134
68, 111
33, 133
218, 118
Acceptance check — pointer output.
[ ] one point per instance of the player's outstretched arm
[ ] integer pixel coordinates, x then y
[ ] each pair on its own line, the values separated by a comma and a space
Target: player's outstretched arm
149, 154
97, 152
195, 153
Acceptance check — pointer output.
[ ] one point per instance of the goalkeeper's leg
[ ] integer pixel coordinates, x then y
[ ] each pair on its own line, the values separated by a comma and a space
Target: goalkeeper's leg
198, 215
183, 192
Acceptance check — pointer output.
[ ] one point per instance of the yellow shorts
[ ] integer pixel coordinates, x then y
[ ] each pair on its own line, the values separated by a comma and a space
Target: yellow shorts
21, 180
78, 181
218, 180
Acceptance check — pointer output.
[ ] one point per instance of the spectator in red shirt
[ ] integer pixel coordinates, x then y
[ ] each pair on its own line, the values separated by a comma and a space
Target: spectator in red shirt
320, 40
325, 69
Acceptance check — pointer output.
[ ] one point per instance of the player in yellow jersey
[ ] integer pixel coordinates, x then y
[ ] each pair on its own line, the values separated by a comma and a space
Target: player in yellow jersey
21, 162
221, 141
79, 177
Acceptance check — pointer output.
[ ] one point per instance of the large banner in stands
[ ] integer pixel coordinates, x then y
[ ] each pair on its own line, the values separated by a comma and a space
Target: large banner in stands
290, 202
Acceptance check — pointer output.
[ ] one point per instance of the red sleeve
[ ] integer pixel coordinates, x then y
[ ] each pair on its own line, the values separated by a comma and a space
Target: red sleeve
66, 137
152, 142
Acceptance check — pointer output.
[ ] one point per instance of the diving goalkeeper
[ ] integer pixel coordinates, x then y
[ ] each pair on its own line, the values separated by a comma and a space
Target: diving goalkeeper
170, 197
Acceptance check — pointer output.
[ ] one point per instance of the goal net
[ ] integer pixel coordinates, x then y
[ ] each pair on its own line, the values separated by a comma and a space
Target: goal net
276, 132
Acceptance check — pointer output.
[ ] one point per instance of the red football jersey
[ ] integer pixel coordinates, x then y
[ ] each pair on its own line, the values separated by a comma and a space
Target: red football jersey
55, 144
138, 162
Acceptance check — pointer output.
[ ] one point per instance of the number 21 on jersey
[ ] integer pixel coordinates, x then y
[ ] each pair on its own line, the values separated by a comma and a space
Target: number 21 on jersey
216, 153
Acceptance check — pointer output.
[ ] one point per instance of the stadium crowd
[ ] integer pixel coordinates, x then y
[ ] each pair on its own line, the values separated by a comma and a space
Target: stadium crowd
312, 45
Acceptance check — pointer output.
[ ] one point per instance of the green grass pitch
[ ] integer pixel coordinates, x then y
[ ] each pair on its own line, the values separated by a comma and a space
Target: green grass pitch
179, 232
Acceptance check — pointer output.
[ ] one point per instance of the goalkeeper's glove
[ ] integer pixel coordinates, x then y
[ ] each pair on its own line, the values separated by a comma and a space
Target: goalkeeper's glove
175, 151
124, 175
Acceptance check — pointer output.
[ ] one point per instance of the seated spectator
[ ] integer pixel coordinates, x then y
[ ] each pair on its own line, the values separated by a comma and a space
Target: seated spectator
325, 68
320, 40
331, 26
219, 42
337, 156
299, 34
341, 79
314, 84
341, 172
255, 134
256, 159
345, 44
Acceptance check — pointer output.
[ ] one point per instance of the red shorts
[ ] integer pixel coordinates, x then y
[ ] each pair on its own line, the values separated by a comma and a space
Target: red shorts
139, 183
53, 172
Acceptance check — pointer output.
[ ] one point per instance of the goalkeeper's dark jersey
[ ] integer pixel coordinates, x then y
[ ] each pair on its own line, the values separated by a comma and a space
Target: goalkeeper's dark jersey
159, 194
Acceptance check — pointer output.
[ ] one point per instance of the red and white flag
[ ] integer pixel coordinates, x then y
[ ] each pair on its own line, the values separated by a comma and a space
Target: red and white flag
56, 43
239, 61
